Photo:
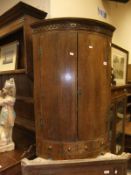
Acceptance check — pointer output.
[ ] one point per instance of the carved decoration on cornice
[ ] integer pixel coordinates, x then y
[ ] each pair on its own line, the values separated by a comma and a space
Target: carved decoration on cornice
72, 26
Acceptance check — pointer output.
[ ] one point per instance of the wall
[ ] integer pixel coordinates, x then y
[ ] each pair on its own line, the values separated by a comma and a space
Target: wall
121, 14
78, 8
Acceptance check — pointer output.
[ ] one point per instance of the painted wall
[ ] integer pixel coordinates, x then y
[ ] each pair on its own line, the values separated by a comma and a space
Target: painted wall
79, 8
121, 14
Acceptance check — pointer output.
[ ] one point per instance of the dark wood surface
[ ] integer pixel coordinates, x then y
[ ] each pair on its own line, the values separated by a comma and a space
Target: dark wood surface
117, 91
80, 168
72, 87
15, 26
129, 73
74, 23
128, 124
10, 160
94, 100
19, 10
118, 124
59, 96
120, 94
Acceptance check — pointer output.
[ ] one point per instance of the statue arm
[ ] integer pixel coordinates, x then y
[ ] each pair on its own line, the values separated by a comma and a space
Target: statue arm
2, 101
7, 101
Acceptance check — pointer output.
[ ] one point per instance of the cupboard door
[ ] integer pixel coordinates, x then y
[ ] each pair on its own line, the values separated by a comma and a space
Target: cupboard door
93, 85
58, 85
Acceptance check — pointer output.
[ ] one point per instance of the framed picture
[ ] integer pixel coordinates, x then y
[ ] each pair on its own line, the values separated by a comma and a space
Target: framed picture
8, 56
119, 61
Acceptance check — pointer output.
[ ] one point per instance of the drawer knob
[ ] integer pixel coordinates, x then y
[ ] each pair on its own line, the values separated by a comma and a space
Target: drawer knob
86, 147
69, 149
106, 172
102, 143
116, 172
50, 147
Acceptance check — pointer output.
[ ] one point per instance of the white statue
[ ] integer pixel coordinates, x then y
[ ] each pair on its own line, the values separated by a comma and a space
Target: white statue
7, 115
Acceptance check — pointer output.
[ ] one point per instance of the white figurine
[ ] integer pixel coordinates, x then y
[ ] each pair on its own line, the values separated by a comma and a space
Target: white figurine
7, 115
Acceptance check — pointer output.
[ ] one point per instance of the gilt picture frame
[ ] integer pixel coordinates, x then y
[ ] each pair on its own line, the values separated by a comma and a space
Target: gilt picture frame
119, 61
8, 56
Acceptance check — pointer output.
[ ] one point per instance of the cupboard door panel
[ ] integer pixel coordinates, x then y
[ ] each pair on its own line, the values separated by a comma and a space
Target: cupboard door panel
58, 85
93, 84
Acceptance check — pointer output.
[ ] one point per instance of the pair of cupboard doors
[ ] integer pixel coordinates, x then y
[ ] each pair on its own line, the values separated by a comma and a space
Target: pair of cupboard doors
72, 92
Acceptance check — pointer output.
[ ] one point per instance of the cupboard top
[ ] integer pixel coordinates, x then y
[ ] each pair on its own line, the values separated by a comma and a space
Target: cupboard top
75, 24
20, 10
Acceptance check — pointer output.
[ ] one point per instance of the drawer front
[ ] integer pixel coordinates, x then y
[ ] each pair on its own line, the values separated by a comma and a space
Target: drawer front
70, 150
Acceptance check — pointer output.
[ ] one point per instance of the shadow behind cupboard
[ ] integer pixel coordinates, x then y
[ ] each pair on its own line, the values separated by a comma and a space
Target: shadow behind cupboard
72, 87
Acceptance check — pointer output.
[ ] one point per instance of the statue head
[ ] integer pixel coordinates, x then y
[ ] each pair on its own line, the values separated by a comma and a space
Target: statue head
9, 87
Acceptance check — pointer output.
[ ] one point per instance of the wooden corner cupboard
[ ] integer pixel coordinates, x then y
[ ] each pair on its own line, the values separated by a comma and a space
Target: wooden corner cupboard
72, 87
15, 26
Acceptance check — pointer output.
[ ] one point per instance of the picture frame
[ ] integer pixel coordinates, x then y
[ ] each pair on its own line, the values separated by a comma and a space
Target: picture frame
8, 56
119, 62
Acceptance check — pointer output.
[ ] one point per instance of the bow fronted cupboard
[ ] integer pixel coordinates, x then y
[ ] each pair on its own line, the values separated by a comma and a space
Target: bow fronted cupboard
72, 87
